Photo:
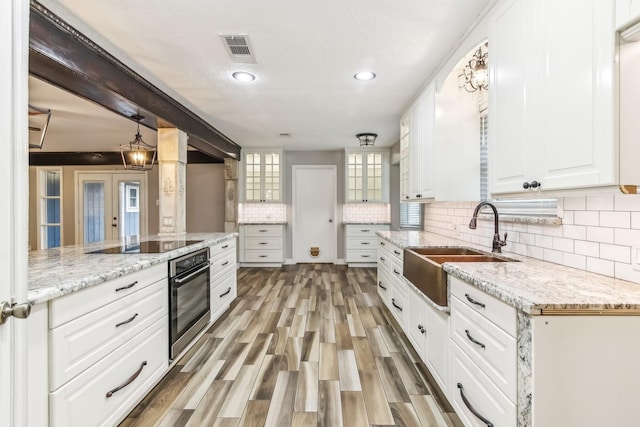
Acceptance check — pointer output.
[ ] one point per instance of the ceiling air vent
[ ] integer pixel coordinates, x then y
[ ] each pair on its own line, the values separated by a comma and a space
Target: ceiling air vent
238, 48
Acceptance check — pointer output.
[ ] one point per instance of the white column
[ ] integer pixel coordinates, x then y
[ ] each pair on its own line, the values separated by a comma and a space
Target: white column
172, 159
231, 195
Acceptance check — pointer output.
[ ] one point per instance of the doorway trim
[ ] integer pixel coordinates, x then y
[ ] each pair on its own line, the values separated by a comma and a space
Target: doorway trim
294, 169
144, 204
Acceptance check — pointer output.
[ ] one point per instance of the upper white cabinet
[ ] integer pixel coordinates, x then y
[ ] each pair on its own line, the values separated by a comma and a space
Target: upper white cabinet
404, 158
262, 175
417, 170
627, 13
366, 176
551, 95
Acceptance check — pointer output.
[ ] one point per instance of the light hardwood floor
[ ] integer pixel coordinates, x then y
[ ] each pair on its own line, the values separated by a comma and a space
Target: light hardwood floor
303, 345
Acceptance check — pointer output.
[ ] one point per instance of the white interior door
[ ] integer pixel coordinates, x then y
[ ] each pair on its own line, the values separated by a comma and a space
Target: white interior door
110, 206
314, 206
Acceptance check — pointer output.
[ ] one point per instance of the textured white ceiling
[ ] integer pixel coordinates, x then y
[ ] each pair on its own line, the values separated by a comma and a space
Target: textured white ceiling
306, 55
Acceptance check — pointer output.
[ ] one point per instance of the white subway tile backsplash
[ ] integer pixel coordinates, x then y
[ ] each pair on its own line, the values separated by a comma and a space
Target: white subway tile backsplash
552, 256
600, 234
586, 218
600, 203
366, 212
627, 202
615, 253
615, 219
591, 249
578, 232
561, 244
267, 212
574, 203
627, 237
574, 261
596, 232
601, 266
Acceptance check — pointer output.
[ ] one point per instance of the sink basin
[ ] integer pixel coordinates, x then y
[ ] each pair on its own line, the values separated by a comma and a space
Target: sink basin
423, 268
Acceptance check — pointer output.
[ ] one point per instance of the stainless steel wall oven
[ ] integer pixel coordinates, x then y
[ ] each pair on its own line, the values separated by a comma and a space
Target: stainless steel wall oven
189, 298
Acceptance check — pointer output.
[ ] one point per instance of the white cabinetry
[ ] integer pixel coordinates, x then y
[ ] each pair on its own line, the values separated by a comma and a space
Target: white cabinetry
627, 13
262, 244
108, 347
404, 158
552, 95
483, 379
391, 286
223, 276
366, 175
361, 244
417, 171
262, 172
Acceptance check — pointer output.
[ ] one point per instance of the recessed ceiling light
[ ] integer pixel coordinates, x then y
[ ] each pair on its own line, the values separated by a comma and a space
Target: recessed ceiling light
364, 75
243, 76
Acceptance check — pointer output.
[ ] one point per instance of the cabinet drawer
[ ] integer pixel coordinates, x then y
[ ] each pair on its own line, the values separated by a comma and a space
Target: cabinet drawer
270, 230
223, 294
263, 243
223, 262
393, 250
498, 312
384, 259
80, 343
384, 286
226, 246
69, 307
83, 401
481, 394
396, 270
491, 348
263, 256
361, 243
365, 230
361, 255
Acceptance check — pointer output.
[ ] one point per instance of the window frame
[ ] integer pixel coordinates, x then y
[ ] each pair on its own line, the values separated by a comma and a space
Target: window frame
420, 207
41, 188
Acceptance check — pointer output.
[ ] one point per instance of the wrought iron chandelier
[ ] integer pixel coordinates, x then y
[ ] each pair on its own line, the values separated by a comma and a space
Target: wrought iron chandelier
366, 139
475, 75
137, 154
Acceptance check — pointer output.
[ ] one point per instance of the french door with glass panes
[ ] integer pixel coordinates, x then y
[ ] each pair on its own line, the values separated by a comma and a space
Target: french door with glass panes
110, 206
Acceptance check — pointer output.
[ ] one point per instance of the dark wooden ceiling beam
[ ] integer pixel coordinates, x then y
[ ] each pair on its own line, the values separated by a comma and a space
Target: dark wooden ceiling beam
64, 57
99, 158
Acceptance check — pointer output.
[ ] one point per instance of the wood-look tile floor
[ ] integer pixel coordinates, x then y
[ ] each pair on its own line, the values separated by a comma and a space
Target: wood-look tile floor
302, 345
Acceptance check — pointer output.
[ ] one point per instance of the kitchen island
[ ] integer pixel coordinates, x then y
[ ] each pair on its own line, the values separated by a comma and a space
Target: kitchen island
527, 343
100, 325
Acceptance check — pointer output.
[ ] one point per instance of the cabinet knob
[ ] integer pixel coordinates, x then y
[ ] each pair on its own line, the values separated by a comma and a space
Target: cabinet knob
532, 184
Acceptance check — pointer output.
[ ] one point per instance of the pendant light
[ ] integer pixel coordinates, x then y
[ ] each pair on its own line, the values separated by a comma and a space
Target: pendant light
475, 75
137, 154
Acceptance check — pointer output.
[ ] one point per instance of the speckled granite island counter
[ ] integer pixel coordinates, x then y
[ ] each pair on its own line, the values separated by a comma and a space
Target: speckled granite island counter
558, 351
60, 271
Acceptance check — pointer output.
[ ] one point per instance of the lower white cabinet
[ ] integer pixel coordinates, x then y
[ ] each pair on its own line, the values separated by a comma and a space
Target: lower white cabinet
361, 249
103, 394
262, 244
223, 277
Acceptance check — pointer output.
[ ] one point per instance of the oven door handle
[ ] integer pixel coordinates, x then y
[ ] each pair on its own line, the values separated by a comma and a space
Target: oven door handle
198, 271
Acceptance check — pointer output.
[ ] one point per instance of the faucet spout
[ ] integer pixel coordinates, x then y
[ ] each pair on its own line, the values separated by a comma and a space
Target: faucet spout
497, 243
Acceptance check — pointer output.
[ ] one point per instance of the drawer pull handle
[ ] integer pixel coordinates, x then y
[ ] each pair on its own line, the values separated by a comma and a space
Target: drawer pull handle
225, 263
262, 256
365, 243
473, 340
381, 243
422, 329
129, 381
396, 252
225, 246
263, 243
383, 288
396, 271
365, 231
472, 301
365, 256
226, 293
263, 231
393, 302
127, 287
129, 320
382, 259
472, 409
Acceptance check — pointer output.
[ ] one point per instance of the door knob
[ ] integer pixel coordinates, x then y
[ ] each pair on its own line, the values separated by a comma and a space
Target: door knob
330, 220
21, 311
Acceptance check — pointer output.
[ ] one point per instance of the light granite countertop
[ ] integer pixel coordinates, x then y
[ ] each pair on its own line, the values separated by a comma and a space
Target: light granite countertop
530, 285
60, 271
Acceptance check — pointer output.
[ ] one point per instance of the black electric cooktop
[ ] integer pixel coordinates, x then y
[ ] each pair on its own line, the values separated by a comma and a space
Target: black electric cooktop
148, 247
